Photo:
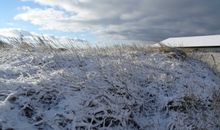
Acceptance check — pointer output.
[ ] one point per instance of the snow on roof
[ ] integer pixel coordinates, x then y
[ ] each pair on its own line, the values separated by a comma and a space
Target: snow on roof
194, 41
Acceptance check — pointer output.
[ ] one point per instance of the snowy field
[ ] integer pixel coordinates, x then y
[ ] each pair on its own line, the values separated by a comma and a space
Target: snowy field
118, 88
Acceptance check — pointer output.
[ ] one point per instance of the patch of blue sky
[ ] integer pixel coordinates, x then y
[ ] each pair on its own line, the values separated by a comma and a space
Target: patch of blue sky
10, 8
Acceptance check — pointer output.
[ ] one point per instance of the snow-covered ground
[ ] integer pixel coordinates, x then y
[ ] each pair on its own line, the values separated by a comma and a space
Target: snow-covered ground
117, 88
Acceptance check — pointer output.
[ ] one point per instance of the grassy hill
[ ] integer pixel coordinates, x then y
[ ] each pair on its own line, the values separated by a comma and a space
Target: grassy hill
114, 88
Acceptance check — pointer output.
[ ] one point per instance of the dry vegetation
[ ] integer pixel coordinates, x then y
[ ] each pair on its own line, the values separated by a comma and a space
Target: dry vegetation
210, 56
132, 87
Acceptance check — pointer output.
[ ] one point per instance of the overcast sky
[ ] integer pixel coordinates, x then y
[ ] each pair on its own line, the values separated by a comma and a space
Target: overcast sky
150, 20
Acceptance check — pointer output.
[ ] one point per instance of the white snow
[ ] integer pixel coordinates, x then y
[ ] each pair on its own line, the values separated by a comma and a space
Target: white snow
116, 88
194, 41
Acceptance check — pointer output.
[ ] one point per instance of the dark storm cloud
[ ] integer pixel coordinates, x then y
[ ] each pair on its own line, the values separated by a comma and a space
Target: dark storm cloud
133, 19
174, 18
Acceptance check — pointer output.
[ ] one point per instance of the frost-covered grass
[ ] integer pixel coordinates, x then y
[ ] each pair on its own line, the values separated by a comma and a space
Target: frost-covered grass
114, 88
211, 58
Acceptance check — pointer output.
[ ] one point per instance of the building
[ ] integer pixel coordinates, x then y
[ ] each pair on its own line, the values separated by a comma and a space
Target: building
202, 43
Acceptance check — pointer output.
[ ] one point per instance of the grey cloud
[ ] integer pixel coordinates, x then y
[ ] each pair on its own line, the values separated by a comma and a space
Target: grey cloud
146, 19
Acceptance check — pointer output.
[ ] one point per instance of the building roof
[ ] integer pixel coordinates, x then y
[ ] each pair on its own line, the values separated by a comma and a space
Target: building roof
194, 41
